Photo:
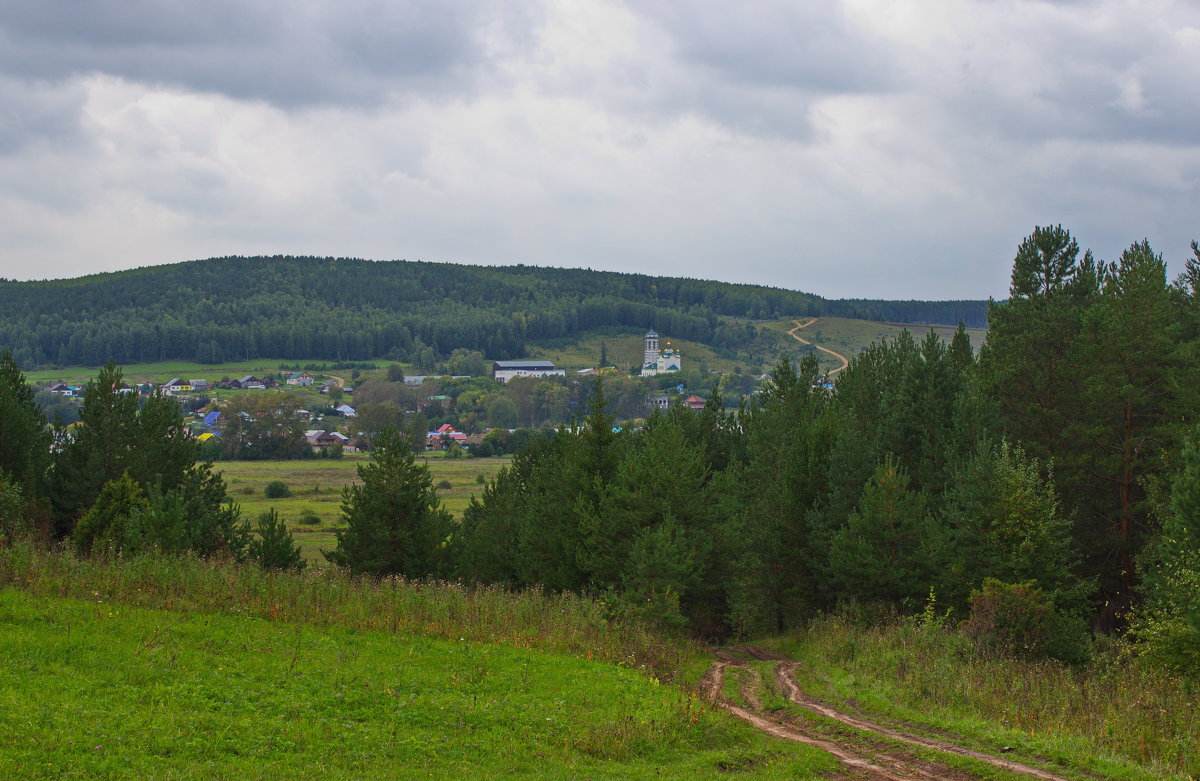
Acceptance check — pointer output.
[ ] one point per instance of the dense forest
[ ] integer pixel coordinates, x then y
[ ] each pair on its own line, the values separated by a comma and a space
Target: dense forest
238, 308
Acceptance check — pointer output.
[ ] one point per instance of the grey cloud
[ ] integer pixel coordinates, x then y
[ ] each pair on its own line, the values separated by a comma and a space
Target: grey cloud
38, 113
807, 47
285, 53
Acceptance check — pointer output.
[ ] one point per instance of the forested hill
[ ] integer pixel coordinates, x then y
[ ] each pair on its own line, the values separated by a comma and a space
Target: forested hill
303, 307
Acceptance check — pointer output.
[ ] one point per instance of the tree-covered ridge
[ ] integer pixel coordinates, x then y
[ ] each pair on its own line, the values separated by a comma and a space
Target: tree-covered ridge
238, 308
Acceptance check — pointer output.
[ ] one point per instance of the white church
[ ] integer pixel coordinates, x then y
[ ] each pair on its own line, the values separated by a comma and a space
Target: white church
656, 361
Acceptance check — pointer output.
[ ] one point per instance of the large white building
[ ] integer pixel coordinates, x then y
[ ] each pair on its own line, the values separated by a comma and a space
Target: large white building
504, 371
656, 361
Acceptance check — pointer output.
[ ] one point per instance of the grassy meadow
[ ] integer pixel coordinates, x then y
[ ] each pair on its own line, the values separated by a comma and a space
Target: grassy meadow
626, 350
316, 487
174, 668
850, 337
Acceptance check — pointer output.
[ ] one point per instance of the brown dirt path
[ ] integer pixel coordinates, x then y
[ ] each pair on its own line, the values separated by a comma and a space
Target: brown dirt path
792, 333
881, 764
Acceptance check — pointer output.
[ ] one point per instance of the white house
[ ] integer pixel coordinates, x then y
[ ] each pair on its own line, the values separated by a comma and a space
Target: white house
504, 371
303, 379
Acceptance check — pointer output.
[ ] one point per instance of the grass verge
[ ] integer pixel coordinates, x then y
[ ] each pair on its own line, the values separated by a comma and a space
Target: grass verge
1118, 718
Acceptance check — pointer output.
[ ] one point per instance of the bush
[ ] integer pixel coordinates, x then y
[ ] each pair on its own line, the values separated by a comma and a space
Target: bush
277, 489
308, 518
444, 485
1017, 618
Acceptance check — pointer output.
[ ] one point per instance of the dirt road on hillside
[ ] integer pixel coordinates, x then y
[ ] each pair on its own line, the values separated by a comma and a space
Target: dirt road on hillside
866, 748
845, 361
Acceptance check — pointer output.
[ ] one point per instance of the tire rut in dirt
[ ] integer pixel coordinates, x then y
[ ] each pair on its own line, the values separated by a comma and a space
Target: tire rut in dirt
879, 766
786, 680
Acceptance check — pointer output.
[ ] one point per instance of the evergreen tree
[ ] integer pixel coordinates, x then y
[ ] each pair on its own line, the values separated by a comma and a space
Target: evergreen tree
1167, 625
889, 549
787, 448
111, 524
24, 441
114, 437
1137, 387
273, 546
1004, 522
394, 522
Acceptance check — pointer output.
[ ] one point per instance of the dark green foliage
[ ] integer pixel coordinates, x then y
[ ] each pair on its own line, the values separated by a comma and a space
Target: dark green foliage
888, 551
394, 522
1004, 522
346, 310
273, 546
190, 517
1168, 623
24, 441
115, 437
1020, 619
1091, 367
277, 489
262, 426
780, 476
109, 525
13, 521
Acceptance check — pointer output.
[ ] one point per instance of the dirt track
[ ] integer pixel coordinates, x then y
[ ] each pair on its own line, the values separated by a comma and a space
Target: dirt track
868, 750
845, 361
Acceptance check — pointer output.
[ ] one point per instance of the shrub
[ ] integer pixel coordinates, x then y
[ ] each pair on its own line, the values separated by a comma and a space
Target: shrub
444, 485
308, 518
1017, 618
277, 489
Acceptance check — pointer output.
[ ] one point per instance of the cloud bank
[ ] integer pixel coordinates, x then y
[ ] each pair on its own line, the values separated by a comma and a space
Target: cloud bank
861, 148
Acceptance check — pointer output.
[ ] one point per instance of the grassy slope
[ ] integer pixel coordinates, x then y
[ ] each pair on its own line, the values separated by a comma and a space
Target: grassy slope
851, 337
317, 486
254, 675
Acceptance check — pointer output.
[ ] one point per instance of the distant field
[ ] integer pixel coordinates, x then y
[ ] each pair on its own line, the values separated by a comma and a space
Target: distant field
316, 485
165, 370
626, 350
850, 337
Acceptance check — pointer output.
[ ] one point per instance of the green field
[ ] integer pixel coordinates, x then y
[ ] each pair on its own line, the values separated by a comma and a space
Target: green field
261, 675
316, 486
850, 337
625, 351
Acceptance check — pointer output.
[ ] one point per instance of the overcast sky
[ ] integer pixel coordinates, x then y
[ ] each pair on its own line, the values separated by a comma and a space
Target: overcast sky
862, 148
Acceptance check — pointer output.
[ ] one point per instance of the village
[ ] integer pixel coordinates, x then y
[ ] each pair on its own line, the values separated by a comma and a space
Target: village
461, 414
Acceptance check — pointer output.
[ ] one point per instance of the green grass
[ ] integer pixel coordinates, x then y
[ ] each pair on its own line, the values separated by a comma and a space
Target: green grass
316, 486
271, 675
165, 370
1118, 718
626, 350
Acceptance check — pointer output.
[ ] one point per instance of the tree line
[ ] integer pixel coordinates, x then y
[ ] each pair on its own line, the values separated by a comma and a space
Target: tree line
293, 308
